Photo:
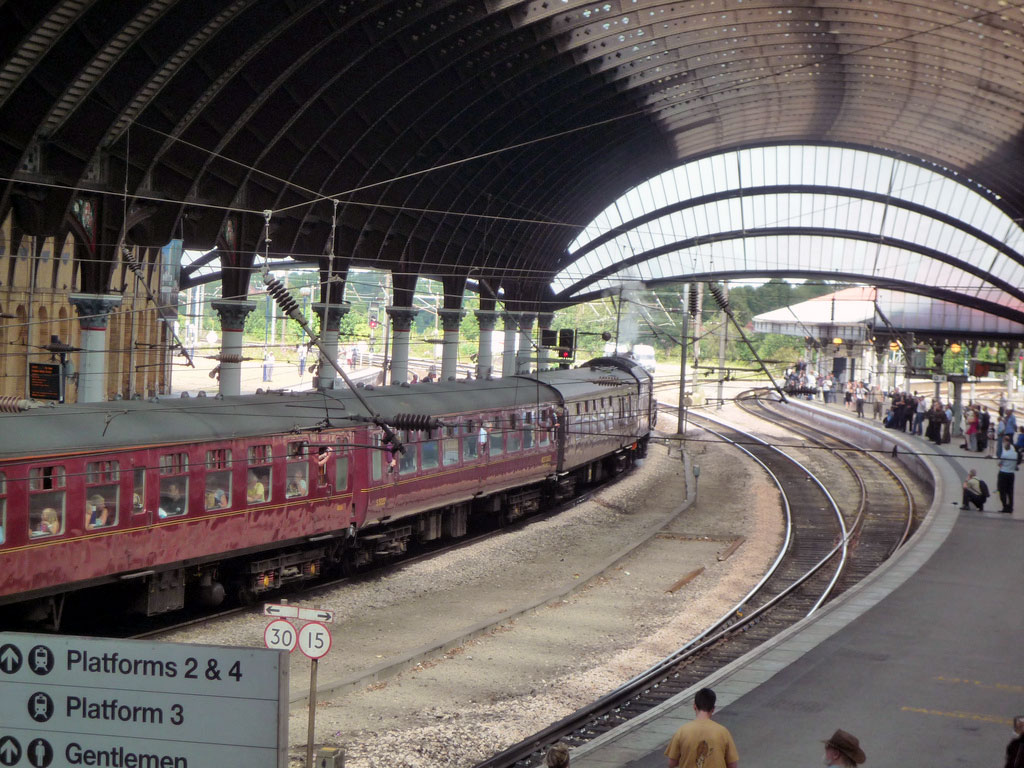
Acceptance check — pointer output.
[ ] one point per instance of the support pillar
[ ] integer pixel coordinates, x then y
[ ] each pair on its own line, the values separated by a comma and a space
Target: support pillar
93, 313
401, 324
524, 354
232, 321
508, 355
330, 321
938, 350
484, 357
451, 319
544, 321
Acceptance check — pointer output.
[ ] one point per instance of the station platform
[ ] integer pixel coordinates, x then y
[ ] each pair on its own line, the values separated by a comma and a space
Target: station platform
921, 661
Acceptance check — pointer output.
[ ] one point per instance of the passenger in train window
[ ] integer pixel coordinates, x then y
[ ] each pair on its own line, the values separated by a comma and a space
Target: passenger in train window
100, 515
254, 491
297, 485
172, 500
48, 523
217, 498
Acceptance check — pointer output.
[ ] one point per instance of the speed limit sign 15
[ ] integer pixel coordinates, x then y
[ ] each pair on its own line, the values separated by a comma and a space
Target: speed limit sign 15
280, 635
314, 640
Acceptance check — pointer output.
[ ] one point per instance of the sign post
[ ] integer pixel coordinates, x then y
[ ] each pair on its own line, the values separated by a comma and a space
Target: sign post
92, 701
315, 642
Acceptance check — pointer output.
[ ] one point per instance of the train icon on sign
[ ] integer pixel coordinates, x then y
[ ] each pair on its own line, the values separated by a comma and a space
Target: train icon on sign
40, 707
40, 660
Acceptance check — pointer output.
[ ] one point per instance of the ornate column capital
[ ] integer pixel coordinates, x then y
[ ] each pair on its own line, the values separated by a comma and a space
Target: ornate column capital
487, 318
333, 311
94, 309
233, 312
451, 318
545, 319
401, 317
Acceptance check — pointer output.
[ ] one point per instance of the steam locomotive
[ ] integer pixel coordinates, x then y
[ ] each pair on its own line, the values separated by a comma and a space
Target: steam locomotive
170, 501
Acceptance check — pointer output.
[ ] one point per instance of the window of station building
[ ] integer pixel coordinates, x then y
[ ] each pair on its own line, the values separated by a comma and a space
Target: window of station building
450, 446
102, 493
260, 474
46, 501
217, 493
138, 490
407, 459
3, 508
173, 485
470, 441
496, 437
527, 430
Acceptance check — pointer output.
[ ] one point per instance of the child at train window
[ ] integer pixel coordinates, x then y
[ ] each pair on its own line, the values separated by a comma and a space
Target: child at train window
296, 484
100, 515
49, 523
254, 492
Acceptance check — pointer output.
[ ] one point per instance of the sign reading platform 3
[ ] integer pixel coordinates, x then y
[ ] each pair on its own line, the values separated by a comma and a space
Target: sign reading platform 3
129, 703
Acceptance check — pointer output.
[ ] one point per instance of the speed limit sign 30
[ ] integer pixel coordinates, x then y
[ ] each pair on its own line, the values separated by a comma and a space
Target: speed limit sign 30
314, 640
280, 635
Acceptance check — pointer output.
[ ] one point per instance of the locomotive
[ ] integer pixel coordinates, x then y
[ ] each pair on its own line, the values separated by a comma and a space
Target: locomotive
193, 499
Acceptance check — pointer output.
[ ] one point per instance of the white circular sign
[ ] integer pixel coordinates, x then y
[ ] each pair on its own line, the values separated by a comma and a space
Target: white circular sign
314, 640
280, 635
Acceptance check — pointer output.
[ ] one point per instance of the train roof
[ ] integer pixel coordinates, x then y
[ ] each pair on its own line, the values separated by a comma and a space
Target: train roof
126, 423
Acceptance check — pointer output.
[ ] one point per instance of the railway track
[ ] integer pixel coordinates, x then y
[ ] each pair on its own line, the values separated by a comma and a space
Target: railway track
815, 562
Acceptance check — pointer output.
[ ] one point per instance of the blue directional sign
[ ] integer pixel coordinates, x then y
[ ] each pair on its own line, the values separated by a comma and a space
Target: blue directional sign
88, 701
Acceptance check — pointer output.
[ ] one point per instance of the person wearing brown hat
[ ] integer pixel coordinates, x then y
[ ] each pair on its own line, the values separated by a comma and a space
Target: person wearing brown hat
557, 756
843, 750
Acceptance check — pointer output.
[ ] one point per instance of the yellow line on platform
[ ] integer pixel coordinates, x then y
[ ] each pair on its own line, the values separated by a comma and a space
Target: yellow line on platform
960, 715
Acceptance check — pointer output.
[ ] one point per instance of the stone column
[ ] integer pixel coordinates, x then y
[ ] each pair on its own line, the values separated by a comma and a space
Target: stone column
484, 357
232, 320
938, 350
330, 321
544, 321
508, 356
93, 313
450, 320
401, 324
525, 353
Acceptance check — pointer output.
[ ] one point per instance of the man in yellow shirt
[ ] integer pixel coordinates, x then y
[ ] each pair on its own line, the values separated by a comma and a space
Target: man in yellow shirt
703, 743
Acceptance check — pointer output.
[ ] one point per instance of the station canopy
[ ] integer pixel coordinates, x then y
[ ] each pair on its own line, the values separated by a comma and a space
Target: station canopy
810, 212
860, 314
478, 138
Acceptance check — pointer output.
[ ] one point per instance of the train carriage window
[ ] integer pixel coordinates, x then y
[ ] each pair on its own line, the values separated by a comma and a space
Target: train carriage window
546, 425
3, 508
341, 472
496, 445
470, 441
429, 454
407, 459
450, 446
297, 477
513, 438
259, 477
102, 493
217, 493
138, 490
173, 485
528, 430
377, 458
46, 501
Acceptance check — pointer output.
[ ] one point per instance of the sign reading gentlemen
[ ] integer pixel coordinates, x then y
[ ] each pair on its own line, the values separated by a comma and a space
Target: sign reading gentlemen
132, 704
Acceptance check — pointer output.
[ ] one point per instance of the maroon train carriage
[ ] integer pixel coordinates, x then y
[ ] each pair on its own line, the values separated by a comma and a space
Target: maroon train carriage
181, 499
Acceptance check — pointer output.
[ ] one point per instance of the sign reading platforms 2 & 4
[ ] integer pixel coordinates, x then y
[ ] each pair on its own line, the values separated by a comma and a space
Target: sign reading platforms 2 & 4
134, 704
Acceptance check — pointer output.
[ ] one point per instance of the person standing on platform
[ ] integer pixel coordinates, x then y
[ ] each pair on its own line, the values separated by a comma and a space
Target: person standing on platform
1009, 460
859, 394
1011, 421
843, 750
920, 408
703, 743
1015, 749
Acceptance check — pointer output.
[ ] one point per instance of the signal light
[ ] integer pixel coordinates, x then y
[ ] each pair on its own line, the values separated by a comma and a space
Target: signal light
566, 344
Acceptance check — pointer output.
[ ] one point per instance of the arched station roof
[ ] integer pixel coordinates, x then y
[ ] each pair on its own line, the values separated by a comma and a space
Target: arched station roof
806, 211
466, 136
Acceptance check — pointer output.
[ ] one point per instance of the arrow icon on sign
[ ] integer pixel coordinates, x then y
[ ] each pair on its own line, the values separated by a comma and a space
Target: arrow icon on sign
10, 659
274, 609
10, 751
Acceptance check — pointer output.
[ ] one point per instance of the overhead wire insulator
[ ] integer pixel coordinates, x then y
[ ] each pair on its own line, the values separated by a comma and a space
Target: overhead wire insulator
415, 421
693, 301
719, 298
281, 296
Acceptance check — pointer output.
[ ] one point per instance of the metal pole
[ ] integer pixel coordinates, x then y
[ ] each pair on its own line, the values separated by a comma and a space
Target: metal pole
682, 372
311, 733
722, 339
618, 317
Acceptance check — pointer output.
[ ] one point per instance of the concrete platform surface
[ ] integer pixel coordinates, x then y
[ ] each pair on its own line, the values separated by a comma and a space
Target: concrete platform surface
922, 662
